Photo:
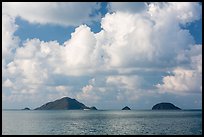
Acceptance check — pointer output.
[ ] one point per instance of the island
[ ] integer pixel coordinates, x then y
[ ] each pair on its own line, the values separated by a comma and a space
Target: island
26, 108
126, 108
64, 103
165, 106
93, 108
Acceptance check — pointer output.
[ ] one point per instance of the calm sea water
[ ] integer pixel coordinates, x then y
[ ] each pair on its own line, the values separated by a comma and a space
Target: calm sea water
71, 122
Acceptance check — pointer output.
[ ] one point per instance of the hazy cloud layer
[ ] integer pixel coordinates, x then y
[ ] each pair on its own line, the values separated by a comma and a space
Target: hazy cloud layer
60, 13
134, 7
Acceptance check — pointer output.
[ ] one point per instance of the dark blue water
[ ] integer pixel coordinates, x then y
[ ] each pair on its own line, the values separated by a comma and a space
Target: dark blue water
83, 122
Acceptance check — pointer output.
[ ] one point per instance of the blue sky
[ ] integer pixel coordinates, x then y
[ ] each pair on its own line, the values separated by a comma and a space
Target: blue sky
43, 32
104, 54
53, 32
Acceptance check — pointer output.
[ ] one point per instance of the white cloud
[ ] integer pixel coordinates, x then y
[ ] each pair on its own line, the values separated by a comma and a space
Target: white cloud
173, 11
9, 44
88, 95
111, 89
92, 81
84, 40
133, 7
186, 79
127, 36
125, 88
87, 88
9, 41
187, 11
127, 82
60, 13
183, 81
138, 41
7, 83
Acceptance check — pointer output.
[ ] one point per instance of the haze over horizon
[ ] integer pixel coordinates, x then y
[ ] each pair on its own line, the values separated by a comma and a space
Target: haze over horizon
108, 55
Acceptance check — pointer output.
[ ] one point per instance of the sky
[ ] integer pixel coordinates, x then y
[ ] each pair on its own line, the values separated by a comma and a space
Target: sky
108, 55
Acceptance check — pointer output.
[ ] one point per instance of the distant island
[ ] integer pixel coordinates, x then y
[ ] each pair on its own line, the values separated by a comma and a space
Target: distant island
93, 108
65, 103
165, 106
126, 108
26, 108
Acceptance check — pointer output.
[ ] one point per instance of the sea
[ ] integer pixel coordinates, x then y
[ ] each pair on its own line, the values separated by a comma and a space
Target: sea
101, 122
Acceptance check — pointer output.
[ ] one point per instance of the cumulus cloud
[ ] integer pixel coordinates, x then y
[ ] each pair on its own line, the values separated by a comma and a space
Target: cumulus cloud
114, 65
173, 11
9, 44
182, 81
84, 40
127, 82
127, 87
111, 89
145, 41
60, 13
9, 41
89, 95
187, 79
7, 83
